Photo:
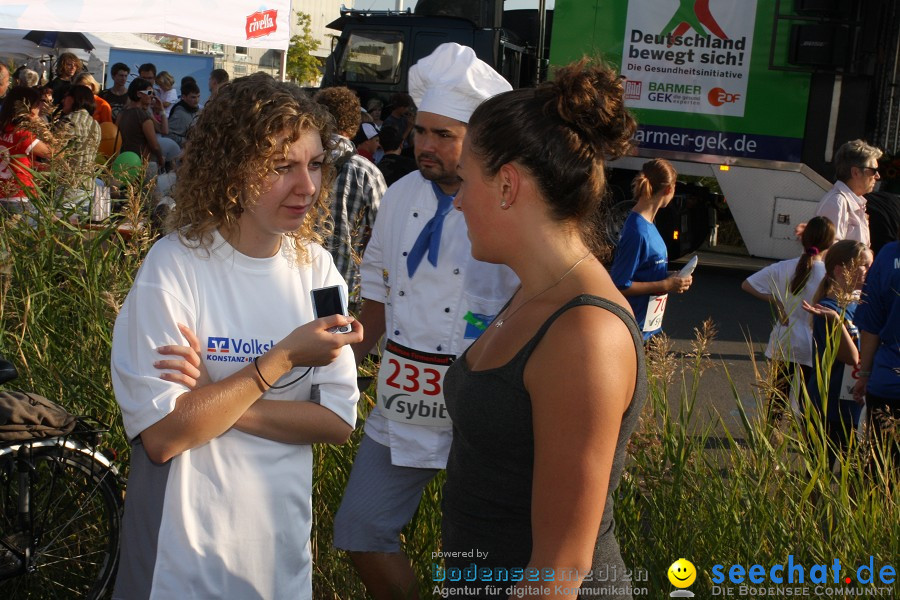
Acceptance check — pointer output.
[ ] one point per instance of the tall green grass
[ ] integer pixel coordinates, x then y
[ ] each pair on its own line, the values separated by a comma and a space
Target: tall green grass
762, 493
62, 279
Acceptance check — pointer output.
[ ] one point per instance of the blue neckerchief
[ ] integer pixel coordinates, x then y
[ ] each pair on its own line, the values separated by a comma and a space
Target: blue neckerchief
430, 238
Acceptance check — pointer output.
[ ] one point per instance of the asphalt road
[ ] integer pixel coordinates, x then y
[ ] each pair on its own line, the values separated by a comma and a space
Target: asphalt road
743, 325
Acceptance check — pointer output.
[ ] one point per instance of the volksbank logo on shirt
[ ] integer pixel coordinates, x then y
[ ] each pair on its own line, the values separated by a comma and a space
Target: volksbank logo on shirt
227, 349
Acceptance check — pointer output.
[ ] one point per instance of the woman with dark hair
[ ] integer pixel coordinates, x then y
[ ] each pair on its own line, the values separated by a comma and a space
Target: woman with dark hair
48, 107
786, 285
220, 486
544, 401
81, 130
136, 125
18, 147
641, 266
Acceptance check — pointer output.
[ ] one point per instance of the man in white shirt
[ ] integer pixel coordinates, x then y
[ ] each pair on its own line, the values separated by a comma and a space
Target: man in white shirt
856, 169
423, 289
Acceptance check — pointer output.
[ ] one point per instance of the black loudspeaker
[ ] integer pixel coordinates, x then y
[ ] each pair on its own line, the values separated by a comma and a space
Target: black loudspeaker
832, 9
821, 45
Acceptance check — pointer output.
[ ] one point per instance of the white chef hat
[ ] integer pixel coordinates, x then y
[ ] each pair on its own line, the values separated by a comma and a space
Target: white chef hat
452, 81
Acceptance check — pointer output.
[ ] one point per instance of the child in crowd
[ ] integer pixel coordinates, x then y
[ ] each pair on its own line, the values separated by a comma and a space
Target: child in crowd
785, 285
833, 313
167, 94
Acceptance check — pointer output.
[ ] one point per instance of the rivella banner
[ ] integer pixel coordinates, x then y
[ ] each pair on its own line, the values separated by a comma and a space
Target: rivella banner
693, 60
697, 72
248, 23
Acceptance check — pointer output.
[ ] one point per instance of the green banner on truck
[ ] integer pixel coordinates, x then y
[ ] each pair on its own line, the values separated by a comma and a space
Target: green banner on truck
697, 72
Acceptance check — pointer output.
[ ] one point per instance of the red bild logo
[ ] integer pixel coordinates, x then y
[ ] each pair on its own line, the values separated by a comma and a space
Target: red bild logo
261, 23
633, 89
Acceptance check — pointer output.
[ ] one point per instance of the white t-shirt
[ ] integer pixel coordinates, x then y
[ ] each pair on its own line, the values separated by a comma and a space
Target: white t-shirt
791, 342
848, 213
428, 312
171, 97
230, 518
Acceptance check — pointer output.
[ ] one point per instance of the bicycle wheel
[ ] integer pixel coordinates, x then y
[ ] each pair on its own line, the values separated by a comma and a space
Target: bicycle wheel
73, 526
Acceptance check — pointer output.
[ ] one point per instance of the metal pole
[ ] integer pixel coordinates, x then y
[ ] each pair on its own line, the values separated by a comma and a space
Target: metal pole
833, 116
893, 86
542, 26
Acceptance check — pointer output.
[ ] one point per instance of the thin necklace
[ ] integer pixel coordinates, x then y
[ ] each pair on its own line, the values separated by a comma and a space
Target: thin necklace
500, 322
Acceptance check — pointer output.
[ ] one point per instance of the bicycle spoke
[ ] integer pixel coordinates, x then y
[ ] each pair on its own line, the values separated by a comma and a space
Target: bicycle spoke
63, 527
54, 586
73, 557
75, 512
52, 512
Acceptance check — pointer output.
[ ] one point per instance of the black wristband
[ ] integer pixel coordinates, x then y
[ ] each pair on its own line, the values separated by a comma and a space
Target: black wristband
278, 387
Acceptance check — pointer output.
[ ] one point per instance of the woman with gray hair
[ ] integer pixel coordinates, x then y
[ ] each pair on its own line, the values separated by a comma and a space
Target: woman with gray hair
856, 170
27, 78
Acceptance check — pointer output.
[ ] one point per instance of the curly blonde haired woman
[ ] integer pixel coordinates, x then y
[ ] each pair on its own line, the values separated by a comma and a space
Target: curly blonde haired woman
222, 432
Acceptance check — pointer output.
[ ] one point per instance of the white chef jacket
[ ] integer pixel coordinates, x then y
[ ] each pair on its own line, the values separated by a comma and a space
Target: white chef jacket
426, 312
848, 213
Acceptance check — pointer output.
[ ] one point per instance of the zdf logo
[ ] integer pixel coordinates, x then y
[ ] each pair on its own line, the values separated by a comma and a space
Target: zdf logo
717, 97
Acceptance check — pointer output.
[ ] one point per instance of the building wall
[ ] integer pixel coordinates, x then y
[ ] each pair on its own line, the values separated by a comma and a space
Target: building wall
321, 13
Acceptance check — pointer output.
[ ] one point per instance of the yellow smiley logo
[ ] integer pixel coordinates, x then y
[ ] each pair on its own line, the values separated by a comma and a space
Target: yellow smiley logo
682, 573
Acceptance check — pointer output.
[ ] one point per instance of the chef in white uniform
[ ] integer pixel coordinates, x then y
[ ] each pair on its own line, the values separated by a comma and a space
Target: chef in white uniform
430, 299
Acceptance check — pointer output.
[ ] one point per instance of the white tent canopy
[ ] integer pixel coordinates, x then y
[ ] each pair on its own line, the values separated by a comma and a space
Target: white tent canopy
249, 23
103, 42
12, 45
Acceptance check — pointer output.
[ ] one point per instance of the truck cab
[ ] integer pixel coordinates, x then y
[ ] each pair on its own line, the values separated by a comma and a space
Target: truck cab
376, 49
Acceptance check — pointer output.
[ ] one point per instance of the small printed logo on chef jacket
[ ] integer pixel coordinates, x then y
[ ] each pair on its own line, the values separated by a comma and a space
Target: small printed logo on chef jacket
476, 323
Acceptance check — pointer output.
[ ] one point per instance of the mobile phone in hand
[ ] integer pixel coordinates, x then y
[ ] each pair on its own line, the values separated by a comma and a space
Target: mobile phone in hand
331, 301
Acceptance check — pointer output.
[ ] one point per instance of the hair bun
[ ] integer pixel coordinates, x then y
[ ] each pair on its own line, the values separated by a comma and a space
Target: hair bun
589, 97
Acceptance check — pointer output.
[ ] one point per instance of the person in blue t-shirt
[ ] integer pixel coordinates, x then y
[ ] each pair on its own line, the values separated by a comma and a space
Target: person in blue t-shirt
878, 319
641, 266
834, 311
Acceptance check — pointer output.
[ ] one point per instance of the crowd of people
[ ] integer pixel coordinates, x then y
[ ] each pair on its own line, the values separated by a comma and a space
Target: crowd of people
63, 117
840, 300
222, 430
464, 227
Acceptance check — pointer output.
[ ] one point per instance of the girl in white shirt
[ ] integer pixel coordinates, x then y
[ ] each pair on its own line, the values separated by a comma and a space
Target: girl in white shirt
785, 285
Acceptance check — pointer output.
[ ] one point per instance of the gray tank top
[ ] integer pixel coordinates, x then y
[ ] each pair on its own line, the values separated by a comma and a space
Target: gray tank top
487, 496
